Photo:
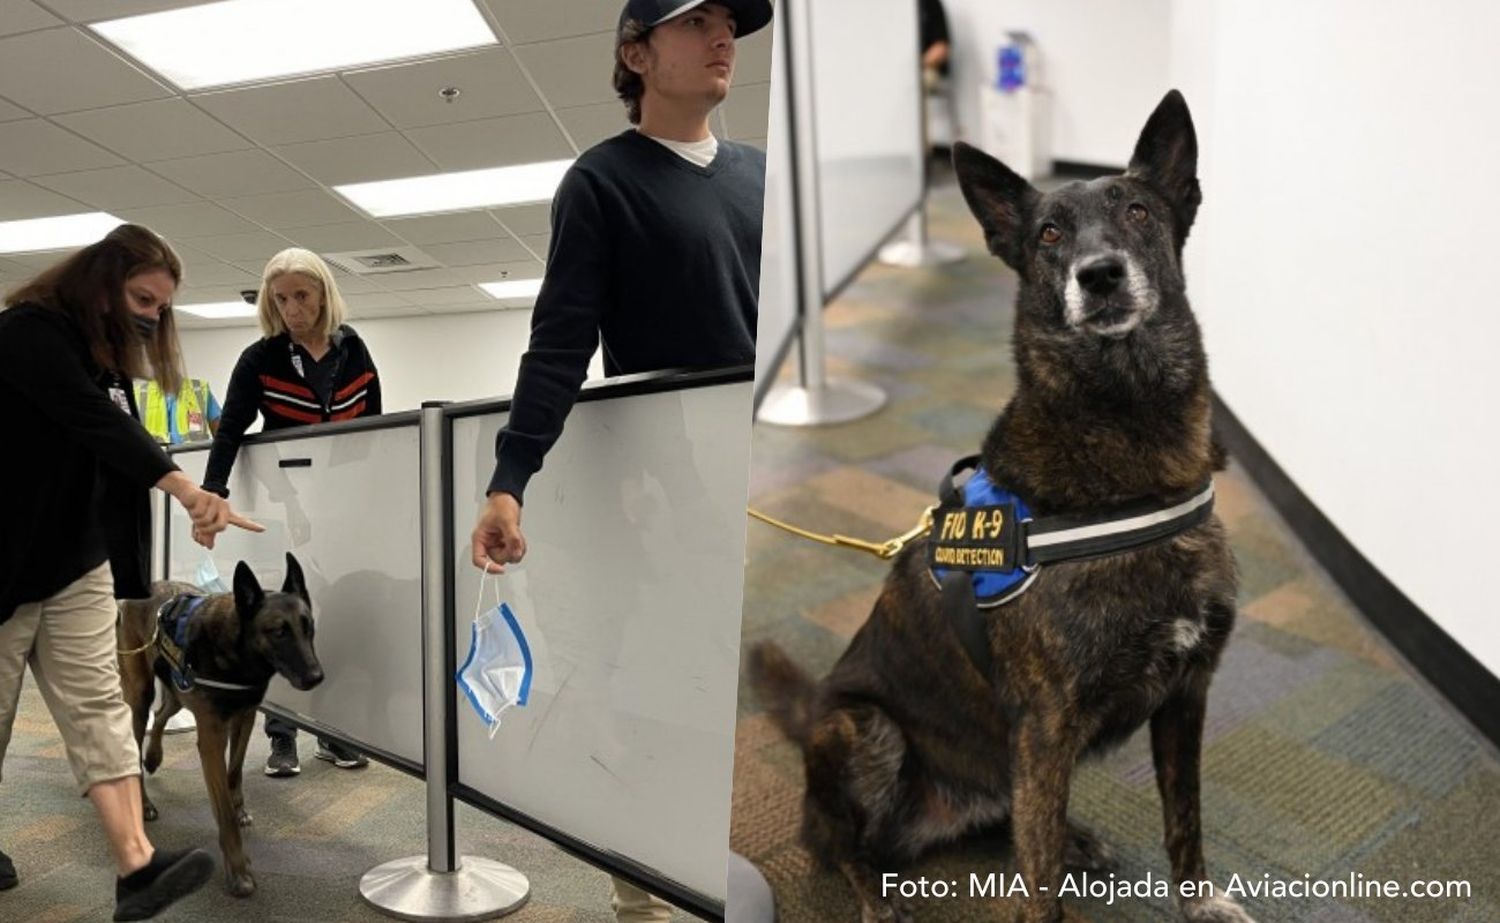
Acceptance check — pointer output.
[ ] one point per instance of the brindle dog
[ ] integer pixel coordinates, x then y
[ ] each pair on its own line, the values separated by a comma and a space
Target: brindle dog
244, 638
906, 745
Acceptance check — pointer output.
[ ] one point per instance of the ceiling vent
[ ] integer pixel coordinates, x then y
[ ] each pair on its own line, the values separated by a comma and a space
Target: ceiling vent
375, 262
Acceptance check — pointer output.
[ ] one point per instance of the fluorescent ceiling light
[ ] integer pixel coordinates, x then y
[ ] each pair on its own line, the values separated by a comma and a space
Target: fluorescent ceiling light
513, 288
240, 41
218, 310
62, 232
456, 192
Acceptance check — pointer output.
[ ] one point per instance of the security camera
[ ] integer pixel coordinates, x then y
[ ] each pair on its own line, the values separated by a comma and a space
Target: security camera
249, 295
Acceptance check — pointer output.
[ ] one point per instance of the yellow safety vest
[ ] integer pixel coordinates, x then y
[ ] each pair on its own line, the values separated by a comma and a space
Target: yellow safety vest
191, 410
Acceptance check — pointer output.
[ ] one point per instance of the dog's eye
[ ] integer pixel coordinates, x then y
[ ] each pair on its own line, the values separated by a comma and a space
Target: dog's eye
1137, 211
1051, 235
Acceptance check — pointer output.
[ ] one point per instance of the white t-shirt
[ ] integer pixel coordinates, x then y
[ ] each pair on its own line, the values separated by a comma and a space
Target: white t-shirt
701, 153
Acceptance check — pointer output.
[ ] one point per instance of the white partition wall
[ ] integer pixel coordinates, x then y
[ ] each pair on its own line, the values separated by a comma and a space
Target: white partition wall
630, 599
345, 501
778, 251
868, 113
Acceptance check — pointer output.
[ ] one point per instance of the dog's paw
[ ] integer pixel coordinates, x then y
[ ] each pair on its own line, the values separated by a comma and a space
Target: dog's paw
1217, 908
1086, 852
151, 760
243, 817
239, 884
148, 811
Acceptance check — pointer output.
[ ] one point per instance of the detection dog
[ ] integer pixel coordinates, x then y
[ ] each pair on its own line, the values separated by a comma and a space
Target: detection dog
226, 648
910, 742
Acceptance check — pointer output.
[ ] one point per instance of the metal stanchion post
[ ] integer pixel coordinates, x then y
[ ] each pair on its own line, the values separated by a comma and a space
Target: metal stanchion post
816, 398
916, 250
439, 886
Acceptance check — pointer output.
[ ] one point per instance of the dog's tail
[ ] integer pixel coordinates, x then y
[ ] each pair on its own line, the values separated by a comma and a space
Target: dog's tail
784, 688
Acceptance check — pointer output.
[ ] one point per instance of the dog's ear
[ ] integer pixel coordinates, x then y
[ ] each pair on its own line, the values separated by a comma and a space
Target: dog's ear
998, 197
295, 582
1166, 156
247, 592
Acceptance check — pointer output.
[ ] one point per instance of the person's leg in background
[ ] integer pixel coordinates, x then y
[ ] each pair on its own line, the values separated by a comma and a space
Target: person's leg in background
73, 657
632, 905
283, 759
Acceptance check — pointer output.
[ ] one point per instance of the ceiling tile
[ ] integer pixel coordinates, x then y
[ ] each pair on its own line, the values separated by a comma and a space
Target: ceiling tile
62, 70
419, 279
9, 112
451, 295
589, 125
572, 71
370, 301
200, 269
493, 142
752, 59
286, 210
34, 147
525, 21
445, 229
234, 174
24, 16
288, 113
490, 83
118, 187
164, 129
479, 307
537, 243
256, 246
360, 159
399, 310
746, 112
197, 219
20, 199
477, 252
525, 219
98, 10
498, 272
344, 236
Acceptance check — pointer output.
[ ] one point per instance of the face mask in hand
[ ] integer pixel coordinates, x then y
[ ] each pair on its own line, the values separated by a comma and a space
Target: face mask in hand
145, 326
497, 673
207, 576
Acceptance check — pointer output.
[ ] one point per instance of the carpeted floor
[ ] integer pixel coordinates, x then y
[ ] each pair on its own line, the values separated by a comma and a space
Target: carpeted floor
313, 837
1324, 754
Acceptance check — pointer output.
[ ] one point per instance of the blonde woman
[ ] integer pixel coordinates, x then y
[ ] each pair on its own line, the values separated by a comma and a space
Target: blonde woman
75, 528
308, 367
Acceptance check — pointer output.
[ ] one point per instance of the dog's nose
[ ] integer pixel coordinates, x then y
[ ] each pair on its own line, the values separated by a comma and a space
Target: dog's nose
314, 678
1101, 276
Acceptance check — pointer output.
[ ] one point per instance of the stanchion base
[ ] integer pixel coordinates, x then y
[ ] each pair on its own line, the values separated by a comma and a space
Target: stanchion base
836, 402
913, 255
479, 889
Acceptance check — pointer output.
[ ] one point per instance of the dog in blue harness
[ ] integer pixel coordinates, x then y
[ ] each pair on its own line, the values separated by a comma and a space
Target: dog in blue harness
215, 655
1075, 585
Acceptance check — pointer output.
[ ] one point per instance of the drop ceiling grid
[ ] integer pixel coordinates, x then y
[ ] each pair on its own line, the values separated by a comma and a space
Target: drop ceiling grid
222, 199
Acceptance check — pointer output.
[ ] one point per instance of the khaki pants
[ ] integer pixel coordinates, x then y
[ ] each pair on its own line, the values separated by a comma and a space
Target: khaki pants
69, 641
632, 905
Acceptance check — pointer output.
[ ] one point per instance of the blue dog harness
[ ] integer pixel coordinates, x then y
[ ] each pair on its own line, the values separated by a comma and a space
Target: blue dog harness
986, 547
173, 619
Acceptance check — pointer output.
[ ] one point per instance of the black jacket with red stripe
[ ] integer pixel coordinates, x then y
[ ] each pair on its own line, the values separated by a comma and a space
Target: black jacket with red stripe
267, 381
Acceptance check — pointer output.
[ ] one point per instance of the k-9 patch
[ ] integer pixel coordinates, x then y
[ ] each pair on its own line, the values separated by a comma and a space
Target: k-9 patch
982, 537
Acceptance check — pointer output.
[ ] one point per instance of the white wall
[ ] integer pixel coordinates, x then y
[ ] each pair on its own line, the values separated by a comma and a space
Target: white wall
1341, 268
452, 357
1106, 63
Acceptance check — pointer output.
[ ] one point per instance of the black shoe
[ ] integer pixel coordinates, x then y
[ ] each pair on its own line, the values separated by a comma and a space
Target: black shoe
8, 877
340, 755
166, 878
283, 759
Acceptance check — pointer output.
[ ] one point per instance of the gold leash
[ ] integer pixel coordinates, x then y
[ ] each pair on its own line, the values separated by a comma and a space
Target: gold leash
883, 550
154, 635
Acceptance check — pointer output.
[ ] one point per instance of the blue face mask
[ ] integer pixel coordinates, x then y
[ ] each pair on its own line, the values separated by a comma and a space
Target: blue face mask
207, 576
497, 672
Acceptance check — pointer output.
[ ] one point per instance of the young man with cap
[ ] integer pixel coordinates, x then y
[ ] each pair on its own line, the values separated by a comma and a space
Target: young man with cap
655, 251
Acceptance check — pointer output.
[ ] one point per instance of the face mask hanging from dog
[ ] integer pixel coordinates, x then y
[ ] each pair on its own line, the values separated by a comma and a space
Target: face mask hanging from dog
497, 672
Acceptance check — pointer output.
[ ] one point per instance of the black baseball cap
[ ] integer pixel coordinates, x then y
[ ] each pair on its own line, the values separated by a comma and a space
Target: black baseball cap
749, 15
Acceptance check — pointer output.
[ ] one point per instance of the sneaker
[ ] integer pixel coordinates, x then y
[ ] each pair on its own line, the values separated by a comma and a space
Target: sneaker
340, 755
283, 759
8, 877
168, 877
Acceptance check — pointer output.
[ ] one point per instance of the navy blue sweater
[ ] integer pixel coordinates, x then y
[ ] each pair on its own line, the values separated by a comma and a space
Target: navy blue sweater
656, 256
